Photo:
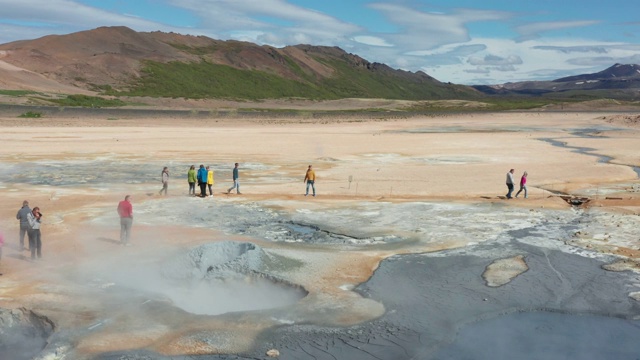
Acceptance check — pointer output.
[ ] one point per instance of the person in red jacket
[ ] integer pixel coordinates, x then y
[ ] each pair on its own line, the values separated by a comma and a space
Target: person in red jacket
125, 210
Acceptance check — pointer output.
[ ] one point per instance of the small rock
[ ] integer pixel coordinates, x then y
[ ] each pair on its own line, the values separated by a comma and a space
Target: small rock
273, 353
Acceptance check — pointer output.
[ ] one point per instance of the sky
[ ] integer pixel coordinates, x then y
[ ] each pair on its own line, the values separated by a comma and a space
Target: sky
467, 42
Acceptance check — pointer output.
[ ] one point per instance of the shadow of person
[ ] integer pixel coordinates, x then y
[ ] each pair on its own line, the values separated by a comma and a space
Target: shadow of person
19, 257
109, 240
16, 247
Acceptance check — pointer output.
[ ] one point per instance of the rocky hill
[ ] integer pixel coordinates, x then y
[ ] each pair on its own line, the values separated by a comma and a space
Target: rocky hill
619, 80
118, 60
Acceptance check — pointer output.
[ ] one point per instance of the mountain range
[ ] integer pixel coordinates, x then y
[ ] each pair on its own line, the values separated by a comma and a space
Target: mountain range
121, 61
619, 78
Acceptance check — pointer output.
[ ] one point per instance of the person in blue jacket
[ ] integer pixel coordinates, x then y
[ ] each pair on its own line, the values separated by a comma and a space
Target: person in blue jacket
202, 180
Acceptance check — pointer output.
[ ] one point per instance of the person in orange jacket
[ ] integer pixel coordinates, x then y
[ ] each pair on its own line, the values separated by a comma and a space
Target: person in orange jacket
310, 179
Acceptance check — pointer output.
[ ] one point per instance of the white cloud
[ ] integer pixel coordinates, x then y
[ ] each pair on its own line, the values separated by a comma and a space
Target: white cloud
371, 40
505, 60
226, 16
570, 49
595, 48
605, 61
533, 30
422, 30
494, 60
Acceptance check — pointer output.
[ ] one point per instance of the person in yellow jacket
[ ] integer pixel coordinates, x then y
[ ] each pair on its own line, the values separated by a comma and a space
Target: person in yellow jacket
310, 179
210, 180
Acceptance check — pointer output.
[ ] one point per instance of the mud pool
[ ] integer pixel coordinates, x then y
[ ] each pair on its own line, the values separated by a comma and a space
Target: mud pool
252, 284
437, 307
210, 279
546, 335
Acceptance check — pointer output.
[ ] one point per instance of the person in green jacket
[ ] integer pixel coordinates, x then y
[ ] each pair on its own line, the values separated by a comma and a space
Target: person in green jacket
191, 178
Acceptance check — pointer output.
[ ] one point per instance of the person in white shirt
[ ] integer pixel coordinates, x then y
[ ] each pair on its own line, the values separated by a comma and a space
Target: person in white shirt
510, 183
35, 238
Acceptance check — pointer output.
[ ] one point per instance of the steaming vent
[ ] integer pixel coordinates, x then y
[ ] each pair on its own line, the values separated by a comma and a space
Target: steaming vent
23, 333
226, 276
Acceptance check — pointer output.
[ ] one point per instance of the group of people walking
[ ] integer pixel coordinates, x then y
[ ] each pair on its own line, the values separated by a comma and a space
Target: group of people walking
510, 184
30, 225
205, 180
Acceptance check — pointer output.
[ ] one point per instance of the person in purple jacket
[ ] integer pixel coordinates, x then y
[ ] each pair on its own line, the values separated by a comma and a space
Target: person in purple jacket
523, 185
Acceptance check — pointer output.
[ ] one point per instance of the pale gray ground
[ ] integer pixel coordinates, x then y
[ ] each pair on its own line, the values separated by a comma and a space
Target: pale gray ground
429, 297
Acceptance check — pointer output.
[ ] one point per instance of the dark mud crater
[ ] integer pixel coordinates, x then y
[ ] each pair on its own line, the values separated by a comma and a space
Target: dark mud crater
23, 333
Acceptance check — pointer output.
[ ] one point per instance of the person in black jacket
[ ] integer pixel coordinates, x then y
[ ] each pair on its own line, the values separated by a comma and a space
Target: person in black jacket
24, 221
236, 181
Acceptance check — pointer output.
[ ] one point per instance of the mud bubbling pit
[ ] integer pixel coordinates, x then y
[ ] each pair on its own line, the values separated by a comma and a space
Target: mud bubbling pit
23, 333
224, 277
217, 278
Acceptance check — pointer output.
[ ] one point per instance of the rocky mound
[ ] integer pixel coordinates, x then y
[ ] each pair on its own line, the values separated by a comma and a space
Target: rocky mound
220, 261
627, 120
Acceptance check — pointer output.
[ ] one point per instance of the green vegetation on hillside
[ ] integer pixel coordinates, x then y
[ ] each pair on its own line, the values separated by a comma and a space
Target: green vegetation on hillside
514, 103
31, 114
88, 101
17, 92
208, 80
351, 82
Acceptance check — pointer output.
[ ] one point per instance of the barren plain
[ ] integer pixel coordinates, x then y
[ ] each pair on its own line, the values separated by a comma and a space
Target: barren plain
409, 239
